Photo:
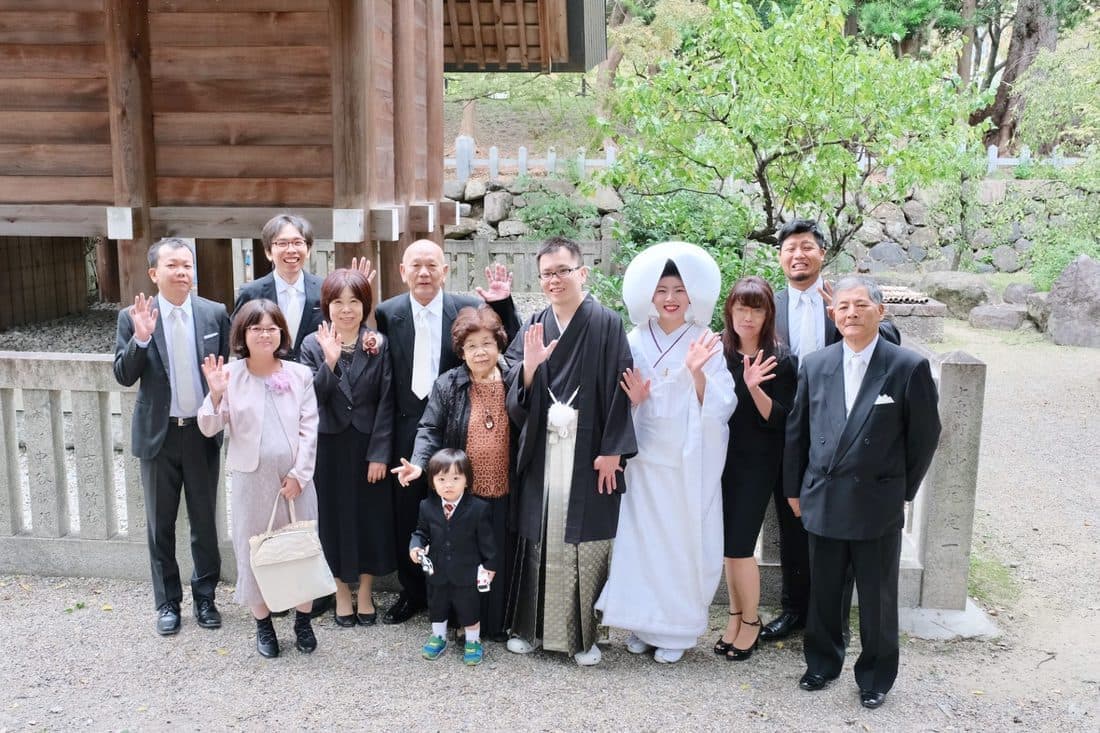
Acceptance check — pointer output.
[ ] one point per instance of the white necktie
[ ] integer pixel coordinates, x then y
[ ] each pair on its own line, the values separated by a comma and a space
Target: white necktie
807, 332
293, 314
183, 356
422, 356
853, 378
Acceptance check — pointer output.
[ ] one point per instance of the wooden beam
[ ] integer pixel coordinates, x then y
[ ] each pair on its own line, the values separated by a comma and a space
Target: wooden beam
106, 270
206, 191
54, 127
354, 139
499, 30
228, 222
558, 30
259, 62
448, 213
521, 21
203, 6
434, 107
129, 95
30, 220
544, 35
51, 62
57, 189
422, 219
237, 28
214, 270
455, 36
51, 26
285, 94
241, 128
479, 49
385, 224
34, 93
242, 161
55, 160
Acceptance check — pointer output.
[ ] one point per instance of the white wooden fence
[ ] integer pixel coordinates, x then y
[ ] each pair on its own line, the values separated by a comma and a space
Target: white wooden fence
464, 163
996, 162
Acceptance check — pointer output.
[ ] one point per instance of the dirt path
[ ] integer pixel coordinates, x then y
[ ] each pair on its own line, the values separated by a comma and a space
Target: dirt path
80, 653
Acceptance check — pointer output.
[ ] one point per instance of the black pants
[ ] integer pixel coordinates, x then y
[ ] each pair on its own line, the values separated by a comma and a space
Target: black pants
794, 561
875, 564
188, 461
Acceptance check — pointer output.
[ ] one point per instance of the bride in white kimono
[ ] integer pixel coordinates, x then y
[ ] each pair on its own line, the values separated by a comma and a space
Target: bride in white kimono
667, 556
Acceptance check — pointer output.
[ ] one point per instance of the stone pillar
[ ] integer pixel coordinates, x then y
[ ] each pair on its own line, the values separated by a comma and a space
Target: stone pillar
951, 484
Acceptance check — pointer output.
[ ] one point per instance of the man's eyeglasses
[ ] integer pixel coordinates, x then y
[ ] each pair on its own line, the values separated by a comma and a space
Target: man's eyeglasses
561, 273
288, 243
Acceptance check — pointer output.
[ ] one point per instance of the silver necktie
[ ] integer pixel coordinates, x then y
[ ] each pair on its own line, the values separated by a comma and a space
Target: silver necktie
183, 356
422, 356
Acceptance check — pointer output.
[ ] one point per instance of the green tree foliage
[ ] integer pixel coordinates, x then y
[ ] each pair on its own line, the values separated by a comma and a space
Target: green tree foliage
791, 119
1061, 91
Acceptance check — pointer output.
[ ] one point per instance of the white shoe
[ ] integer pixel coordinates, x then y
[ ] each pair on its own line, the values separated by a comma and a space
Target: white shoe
668, 656
589, 658
634, 645
517, 645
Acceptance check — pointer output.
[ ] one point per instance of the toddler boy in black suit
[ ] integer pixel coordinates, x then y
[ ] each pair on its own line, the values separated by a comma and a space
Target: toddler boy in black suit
454, 531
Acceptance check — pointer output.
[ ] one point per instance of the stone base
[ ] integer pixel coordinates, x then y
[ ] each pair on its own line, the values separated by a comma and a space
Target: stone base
943, 625
1003, 317
920, 321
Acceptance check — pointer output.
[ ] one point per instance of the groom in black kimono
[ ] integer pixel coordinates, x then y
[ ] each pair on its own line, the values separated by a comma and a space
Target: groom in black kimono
573, 352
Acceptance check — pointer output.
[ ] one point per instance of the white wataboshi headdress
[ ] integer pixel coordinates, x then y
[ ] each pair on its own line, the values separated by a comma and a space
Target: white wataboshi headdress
697, 269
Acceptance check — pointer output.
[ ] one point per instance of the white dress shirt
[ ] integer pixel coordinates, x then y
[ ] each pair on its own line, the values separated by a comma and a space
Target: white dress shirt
435, 320
851, 388
794, 316
281, 288
165, 317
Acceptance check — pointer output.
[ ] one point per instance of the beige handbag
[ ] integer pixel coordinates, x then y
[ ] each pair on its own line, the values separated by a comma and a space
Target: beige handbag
289, 564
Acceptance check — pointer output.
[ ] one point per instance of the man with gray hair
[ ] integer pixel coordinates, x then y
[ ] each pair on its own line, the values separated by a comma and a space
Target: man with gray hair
162, 342
860, 437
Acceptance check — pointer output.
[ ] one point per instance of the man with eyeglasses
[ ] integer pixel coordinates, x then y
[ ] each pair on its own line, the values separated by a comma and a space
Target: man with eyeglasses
804, 325
418, 326
161, 343
575, 431
287, 241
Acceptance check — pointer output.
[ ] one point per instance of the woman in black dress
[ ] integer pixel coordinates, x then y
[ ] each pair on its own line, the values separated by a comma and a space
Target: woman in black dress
765, 377
355, 402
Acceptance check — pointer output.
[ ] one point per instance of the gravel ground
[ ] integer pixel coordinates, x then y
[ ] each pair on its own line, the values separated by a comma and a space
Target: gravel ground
81, 653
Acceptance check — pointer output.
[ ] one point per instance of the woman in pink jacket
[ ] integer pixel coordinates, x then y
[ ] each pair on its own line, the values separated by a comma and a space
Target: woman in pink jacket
268, 409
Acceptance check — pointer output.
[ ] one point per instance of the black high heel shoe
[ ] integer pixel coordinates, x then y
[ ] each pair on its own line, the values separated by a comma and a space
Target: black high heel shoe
722, 647
740, 655
344, 621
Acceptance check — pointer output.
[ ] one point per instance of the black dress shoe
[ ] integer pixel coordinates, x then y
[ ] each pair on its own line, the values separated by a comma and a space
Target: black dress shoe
267, 644
739, 655
783, 626
344, 621
813, 682
304, 638
168, 618
401, 611
367, 619
206, 613
870, 699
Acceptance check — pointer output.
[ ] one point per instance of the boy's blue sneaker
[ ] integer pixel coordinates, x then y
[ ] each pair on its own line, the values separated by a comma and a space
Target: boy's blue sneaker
434, 647
473, 653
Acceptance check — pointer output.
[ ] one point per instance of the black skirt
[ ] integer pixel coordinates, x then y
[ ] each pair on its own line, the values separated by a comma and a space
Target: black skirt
354, 517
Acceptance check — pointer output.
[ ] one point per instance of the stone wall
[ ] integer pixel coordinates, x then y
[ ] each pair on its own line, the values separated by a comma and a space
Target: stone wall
922, 234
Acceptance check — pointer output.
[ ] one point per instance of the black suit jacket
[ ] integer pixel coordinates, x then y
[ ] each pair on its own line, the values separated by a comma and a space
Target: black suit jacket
458, 546
886, 329
362, 398
150, 364
853, 475
312, 316
395, 322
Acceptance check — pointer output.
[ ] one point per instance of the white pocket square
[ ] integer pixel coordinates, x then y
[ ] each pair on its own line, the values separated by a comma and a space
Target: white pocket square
884, 399
210, 335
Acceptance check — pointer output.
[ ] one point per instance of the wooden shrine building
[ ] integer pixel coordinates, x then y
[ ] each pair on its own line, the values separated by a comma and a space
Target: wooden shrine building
137, 119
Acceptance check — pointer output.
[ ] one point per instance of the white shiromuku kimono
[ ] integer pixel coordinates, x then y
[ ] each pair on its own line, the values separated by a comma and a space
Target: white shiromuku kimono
667, 555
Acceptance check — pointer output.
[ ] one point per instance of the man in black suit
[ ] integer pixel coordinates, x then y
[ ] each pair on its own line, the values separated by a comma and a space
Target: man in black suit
803, 324
182, 329
860, 437
418, 326
287, 240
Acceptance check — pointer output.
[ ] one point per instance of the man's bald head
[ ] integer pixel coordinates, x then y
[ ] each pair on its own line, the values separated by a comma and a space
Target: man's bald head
423, 269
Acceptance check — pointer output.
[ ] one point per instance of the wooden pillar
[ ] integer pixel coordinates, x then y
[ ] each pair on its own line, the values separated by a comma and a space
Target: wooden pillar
106, 269
260, 264
214, 269
129, 91
351, 24
434, 107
